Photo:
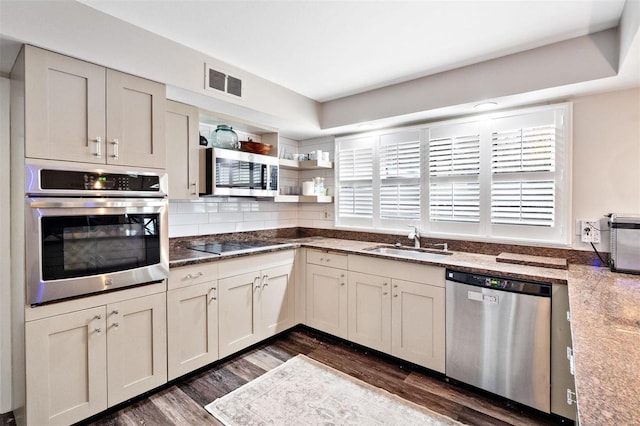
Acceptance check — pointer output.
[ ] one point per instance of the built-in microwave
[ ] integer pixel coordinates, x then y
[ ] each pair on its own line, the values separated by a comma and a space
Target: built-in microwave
235, 173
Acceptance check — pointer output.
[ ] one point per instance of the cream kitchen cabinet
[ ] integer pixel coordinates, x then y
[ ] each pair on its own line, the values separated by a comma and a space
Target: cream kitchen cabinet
81, 362
78, 111
402, 314
182, 139
192, 318
326, 288
418, 323
369, 307
255, 305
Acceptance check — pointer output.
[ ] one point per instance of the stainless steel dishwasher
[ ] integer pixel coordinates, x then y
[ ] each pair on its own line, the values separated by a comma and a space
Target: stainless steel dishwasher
498, 336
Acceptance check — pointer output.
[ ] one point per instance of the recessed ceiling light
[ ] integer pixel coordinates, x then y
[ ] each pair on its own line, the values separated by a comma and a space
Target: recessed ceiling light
486, 105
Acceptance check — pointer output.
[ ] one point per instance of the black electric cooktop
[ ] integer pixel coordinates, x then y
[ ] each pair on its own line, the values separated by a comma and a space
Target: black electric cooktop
219, 247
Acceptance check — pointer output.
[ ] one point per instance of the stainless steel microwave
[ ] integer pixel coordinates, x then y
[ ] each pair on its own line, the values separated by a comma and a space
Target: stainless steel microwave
235, 173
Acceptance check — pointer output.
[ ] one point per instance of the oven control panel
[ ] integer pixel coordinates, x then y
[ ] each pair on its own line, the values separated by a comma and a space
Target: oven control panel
93, 181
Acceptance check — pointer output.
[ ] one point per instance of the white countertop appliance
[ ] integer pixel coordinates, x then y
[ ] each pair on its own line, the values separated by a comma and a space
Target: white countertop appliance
625, 242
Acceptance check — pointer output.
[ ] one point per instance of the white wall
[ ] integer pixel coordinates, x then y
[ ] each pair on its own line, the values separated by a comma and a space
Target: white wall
606, 157
5, 287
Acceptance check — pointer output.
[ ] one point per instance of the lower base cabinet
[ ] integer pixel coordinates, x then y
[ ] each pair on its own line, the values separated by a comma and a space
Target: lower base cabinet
192, 328
402, 318
82, 362
327, 299
255, 305
418, 324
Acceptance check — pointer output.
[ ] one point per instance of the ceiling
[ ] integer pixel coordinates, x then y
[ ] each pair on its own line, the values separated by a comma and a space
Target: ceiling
327, 50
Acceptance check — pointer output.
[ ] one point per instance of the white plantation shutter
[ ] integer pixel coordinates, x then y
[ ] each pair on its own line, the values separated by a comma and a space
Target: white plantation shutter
524, 150
523, 165
454, 202
355, 201
355, 181
523, 202
400, 201
356, 163
399, 159
454, 169
455, 155
499, 176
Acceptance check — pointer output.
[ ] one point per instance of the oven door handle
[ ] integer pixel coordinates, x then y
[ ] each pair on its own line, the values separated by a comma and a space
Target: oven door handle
48, 203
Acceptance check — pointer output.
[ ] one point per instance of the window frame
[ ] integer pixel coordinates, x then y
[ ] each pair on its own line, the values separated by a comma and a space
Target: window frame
558, 235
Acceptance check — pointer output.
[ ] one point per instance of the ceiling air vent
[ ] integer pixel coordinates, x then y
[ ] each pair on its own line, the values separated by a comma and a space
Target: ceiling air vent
219, 81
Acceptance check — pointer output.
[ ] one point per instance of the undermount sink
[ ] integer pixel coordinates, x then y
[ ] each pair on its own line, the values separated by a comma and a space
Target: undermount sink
420, 254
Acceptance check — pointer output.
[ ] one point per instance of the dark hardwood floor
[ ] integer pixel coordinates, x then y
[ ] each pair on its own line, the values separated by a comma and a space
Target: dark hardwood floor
182, 402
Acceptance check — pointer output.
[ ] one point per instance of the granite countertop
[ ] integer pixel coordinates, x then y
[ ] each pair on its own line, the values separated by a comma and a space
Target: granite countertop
605, 328
605, 319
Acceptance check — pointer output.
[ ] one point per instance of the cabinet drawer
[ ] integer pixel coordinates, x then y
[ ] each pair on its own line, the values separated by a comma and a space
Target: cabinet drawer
192, 274
423, 274
325, 258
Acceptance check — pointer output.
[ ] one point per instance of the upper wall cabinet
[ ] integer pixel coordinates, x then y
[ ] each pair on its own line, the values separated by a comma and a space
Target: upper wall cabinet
77, 111
182, 148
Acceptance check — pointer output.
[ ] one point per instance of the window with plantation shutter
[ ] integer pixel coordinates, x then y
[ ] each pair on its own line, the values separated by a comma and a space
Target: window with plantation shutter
355, 182
454, 170
399, 160
501, 176
523, 165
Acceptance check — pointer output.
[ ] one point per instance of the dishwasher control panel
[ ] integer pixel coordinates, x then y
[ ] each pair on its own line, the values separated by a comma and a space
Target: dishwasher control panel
499, 283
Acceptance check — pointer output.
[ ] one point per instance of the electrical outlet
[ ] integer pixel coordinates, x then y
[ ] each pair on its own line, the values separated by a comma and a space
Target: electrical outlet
590, 231
328, 214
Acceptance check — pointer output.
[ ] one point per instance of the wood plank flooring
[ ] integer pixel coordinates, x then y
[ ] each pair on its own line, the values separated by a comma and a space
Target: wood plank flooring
182, 403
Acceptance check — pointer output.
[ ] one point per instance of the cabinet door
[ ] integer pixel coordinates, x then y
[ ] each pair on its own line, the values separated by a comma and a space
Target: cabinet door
182, 139
135, 121
64, 108
277, 303
66, 364
370, 311
327, 300
136, 346
192, 328
238, 327
418, 322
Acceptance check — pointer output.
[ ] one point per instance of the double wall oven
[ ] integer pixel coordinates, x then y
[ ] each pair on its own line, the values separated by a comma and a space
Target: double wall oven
90, 231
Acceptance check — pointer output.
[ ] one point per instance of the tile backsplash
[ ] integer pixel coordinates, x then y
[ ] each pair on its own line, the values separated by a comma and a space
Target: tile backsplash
221, 215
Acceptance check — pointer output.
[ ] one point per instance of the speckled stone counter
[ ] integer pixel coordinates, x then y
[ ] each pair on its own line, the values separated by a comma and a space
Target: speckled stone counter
605, 309
605, 326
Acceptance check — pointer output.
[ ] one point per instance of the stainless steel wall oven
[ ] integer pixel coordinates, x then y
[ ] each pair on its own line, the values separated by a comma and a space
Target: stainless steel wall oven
93, 231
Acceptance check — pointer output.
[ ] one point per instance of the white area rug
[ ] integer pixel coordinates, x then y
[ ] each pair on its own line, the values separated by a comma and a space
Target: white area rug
305, 392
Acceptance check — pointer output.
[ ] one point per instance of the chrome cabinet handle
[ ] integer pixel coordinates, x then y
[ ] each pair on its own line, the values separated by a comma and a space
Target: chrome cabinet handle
98, 330
385, 293
115, 312
395, 295
212, 290
265, 280
256, 287
196, 275
98, 142
115, 325
384, 284
115, 143
195, 189
98, 317
395, 286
